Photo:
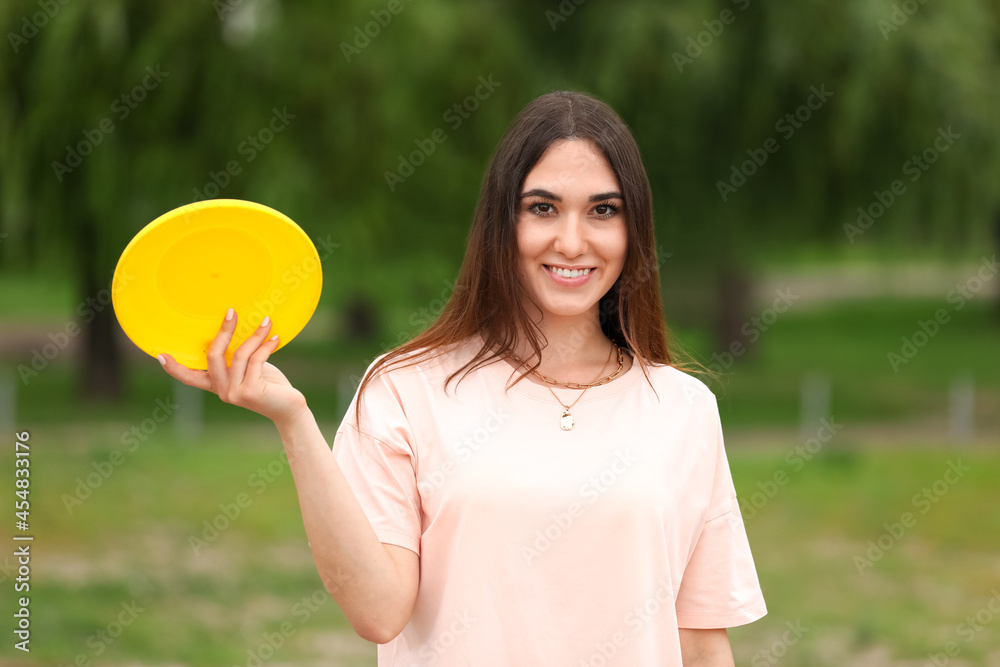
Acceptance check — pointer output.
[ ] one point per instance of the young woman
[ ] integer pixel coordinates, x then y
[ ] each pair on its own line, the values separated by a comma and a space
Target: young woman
532, 480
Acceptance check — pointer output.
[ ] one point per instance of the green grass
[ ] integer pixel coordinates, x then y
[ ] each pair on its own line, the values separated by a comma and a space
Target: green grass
847, 343
908, 601
130, 540
37, 296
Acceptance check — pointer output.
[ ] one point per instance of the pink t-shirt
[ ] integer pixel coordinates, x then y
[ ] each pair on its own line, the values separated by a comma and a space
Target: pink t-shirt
545, 547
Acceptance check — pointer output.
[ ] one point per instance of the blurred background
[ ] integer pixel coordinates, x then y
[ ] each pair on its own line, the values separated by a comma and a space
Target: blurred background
828, 219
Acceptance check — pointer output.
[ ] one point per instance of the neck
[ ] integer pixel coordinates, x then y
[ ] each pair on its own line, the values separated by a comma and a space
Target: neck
577, 350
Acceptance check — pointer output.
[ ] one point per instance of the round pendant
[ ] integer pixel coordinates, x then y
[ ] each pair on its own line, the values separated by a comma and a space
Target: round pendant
566, 421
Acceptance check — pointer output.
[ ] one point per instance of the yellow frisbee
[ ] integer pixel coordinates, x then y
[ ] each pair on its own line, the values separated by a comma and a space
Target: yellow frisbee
178, 276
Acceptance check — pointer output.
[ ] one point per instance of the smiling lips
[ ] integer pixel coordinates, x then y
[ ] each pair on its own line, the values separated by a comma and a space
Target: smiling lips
570, 277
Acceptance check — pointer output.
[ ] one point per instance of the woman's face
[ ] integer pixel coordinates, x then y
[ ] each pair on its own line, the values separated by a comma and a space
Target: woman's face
571, 233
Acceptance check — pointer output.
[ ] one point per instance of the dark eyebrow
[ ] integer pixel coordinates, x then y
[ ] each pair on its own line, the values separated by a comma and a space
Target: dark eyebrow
538, 192
545, 194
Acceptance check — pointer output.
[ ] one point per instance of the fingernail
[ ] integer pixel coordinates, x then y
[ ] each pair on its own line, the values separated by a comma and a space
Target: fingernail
264, 321
161, 359
274, 337
229, 314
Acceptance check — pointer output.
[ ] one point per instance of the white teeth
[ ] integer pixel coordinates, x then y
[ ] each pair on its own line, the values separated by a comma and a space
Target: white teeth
567, 273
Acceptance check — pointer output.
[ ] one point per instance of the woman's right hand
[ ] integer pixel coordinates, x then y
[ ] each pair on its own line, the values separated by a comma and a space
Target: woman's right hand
250, 381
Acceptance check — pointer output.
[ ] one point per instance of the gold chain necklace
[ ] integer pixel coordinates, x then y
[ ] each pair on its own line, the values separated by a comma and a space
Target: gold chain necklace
566, 421
595, 383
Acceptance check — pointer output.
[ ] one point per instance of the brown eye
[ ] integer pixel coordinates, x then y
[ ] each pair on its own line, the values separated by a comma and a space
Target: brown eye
606, 210
540, 208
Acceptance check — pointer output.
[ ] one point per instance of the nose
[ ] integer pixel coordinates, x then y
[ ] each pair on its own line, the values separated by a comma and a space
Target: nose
570, 238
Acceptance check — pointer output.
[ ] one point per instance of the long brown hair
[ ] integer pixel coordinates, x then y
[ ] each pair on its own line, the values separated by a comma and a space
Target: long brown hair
487, 297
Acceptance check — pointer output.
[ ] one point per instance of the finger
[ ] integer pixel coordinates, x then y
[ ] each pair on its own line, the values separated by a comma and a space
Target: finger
241, 356
217, 368
255, 366
189, 376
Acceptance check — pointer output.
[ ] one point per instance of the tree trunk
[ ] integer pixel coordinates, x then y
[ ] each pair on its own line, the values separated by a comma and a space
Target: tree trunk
100, 367
734, 298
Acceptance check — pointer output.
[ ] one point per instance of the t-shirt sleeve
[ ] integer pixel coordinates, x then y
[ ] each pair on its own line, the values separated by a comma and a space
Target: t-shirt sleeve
719, 587
378, 460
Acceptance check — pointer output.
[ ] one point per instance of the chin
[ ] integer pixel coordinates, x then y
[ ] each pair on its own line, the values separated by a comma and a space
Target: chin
567, 310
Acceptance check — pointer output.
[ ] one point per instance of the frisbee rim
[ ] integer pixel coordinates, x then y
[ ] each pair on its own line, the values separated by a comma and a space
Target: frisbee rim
288, 235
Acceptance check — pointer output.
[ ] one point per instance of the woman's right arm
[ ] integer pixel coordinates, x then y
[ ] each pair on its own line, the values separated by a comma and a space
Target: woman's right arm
375, 584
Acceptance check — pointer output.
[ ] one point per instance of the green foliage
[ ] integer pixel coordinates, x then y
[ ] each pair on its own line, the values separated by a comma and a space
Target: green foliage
357, 110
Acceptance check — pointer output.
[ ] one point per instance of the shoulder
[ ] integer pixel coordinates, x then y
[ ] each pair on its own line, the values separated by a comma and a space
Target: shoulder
410, 383
671, 378
425, 360
419, 368
680, 392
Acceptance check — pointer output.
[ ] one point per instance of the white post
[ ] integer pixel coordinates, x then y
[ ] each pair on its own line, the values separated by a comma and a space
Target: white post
188, 420
961, 408
814, 398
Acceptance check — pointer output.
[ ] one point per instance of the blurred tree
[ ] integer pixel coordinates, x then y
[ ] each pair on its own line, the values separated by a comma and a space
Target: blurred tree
115, 111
